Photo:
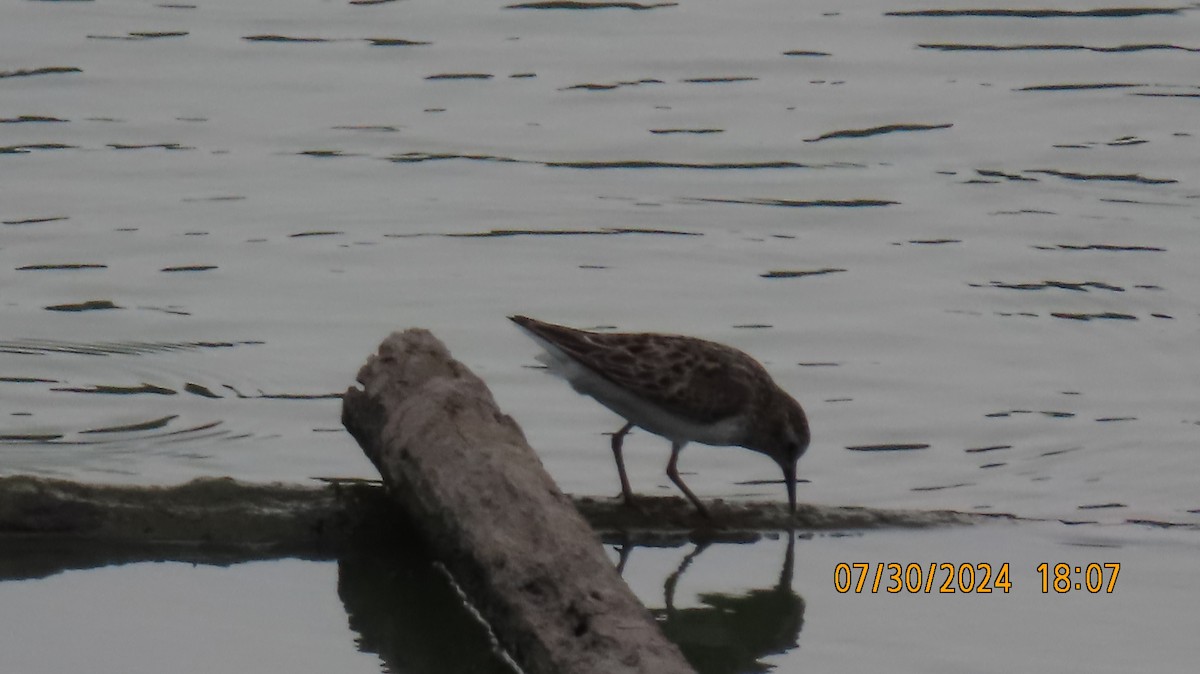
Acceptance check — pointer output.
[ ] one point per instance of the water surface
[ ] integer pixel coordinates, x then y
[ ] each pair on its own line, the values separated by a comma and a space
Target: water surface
964, 234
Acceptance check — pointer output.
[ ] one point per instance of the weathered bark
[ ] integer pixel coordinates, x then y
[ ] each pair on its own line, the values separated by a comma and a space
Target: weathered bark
521, 551
217, 511
433, 430
48, 526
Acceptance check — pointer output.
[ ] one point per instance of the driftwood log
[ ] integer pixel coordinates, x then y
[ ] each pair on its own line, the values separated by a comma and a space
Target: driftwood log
434, 432
523, 554
267, 521
48, 526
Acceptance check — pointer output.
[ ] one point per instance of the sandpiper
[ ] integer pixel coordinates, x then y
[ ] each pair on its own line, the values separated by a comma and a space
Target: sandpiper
682, 388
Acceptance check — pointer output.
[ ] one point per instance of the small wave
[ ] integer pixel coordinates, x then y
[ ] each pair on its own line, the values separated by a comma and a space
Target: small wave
152, 424
1125, 48
460, 76
646, 164
139, 36
284, 38
794, 203
419, 157
105, 389
666, 132
877, 131
991, 448
940, 487
1102, 247
609, 86
890, 447
1101, 316
68, 266
1015, 177
49, 346
1052, 414
1108, 13
1081, 86
801, 273
573, 4
26, 119
32, 72
89, 305
27, 149
189, 268
1078, 286
614, 231
34, 221
149, 146
719, 80
395, 42
1112, 177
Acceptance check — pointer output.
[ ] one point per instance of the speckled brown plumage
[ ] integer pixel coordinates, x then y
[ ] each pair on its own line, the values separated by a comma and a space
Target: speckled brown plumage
683, 388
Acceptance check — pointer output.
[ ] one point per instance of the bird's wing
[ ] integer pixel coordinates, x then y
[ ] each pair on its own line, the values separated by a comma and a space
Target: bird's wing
686, 376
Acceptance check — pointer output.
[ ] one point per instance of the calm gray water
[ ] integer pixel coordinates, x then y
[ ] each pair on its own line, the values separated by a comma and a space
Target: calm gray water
731, 608
963, 236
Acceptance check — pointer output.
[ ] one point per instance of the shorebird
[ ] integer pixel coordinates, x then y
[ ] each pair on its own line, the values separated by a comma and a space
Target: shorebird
682, 388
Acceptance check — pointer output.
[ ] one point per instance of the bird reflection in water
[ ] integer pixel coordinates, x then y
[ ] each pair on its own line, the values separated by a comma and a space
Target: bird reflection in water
405, 609
732, 633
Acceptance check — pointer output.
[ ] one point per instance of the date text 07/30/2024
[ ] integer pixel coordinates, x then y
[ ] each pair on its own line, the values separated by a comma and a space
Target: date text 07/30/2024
966, 578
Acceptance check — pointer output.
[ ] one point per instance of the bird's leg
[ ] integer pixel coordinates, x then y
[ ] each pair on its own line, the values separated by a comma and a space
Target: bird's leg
617, 439
626, 548
673, 473
673, 579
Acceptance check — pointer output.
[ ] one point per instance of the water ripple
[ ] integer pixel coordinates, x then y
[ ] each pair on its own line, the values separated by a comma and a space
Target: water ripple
801, 273
877, 131
891, 447
1103, 247
1057, 47
1114, 177
24, 119
31, 72
89, 305
419, 157
283, 38
1043, 285
139, 36
574, 4
61, 267
105, 389
34, 221
794, 203
39, 347
1102, 316
1108, 13
606, 231
610, 86
1088, 86
460, 76
152, 424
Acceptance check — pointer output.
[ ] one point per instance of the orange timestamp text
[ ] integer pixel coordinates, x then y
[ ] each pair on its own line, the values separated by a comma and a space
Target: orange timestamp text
943, 578
967, 578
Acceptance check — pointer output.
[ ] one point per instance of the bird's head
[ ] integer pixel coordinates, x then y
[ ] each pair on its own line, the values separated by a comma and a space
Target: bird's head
784, 437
